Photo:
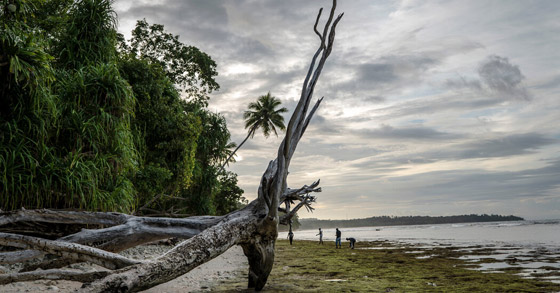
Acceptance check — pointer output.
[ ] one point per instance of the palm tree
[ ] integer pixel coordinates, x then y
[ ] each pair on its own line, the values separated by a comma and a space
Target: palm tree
262, 114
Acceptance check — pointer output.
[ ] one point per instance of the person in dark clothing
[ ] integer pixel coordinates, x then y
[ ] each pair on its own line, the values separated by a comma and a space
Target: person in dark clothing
291, 236
352, 242
320, 236
338, 243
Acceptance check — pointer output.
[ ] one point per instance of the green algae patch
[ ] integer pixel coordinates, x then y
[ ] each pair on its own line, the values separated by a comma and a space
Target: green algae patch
377, 266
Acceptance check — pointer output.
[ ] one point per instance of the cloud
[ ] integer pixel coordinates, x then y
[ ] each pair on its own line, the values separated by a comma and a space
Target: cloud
503, 78
375, 99
388, 72
423, 111
510, 145
406, 133
497, 77
463, 82
376, 73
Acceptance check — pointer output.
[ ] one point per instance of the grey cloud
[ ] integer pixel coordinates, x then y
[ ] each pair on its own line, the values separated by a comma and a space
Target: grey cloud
379, 77
198, 15
463, 83
207, 23
273, 79
375, 99
336, 151
406, 133
497, 78
515, 144
503, 78
392, 69
377, 73
447, 102
505, 146
495, 186
385, 165
554, 82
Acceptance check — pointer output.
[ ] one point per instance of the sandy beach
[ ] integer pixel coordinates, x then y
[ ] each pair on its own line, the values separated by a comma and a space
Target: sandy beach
230, 264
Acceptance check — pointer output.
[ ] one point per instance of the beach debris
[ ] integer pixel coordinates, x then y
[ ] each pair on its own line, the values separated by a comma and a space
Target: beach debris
431, 284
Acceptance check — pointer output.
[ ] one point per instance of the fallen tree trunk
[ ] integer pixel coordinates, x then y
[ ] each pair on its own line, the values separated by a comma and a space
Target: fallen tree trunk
254, 227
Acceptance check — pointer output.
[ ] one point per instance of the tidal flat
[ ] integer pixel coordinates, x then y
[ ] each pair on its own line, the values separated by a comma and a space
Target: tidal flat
383, 266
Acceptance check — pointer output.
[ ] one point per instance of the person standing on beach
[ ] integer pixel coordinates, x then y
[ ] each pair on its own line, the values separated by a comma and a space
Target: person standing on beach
352, 242
337, 242
291, 236
320, 236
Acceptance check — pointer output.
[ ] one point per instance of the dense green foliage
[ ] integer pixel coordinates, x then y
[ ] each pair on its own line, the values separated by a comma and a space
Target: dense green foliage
66, 140
186, 66
180, 142
406, 220
165, 135
212, 147
93, 122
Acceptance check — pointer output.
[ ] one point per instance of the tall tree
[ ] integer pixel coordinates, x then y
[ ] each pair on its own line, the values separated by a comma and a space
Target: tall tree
181, 143
212, 147
187, 67
165, 134
262, 114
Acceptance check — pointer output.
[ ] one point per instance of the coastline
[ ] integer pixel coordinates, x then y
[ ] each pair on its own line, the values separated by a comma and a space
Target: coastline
378, 266
384, 266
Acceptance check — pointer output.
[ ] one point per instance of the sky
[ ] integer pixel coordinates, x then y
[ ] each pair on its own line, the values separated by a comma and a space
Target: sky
430, 107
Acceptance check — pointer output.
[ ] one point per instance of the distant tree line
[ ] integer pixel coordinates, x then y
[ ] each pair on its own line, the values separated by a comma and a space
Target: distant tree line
406, 220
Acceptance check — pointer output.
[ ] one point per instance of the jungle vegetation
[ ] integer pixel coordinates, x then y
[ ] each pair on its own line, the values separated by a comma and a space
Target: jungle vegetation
91, 121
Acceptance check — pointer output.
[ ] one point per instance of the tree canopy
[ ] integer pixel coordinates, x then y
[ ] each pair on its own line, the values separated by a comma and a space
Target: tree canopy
91, 121
263, 115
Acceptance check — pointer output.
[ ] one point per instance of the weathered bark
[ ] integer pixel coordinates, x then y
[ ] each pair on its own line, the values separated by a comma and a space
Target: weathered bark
62, 217
53, 275
123, 231
254, 227
129, 231
18, 256
140, 230
234, 229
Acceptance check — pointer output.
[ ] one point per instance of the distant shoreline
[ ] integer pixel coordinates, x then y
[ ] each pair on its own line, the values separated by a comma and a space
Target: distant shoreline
306, 224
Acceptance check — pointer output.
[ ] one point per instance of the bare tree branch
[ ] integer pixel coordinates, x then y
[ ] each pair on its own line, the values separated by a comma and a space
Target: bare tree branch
305, 202
293, 194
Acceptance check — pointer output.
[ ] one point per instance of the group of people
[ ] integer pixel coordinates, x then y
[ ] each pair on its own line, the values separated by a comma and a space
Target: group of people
338, 241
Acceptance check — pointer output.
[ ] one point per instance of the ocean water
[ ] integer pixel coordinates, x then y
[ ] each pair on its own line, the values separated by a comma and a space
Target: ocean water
544, 233
532, 246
